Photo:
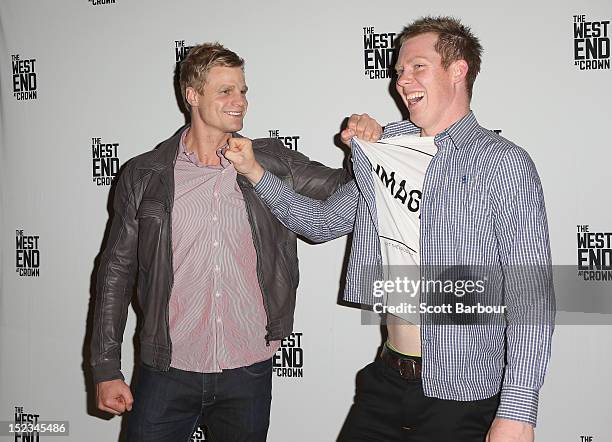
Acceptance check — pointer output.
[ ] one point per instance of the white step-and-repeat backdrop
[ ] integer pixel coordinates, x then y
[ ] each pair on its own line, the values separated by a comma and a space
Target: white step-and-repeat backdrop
88, 84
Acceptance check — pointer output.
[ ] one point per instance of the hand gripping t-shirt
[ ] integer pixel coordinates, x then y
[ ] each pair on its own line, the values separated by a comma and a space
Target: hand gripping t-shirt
398, 170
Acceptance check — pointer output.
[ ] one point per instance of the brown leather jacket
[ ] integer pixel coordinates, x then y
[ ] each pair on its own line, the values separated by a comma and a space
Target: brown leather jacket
139, 247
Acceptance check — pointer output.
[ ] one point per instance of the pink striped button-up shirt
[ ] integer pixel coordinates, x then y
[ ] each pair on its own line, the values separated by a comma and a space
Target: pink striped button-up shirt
217, 316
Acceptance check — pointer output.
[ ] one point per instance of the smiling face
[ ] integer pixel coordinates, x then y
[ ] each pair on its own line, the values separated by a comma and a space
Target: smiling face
222, 104
435, 97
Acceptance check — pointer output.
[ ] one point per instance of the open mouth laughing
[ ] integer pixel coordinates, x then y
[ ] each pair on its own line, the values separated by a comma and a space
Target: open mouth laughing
414, 97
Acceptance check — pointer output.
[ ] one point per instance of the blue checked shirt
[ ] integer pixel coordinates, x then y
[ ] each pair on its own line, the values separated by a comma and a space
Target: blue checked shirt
482, 205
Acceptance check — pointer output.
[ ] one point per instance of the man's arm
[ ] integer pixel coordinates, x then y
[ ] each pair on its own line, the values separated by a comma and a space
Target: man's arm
114, 285
522, 233
317, 220
305, 209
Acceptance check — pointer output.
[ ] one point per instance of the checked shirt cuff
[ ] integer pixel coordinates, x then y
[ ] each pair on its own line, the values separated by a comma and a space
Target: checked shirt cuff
519, 404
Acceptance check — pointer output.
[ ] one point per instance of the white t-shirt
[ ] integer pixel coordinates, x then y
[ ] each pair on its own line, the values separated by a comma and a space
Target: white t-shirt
398, 170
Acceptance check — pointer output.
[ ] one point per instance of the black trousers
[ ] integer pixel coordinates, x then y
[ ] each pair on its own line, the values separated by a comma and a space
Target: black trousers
389, 408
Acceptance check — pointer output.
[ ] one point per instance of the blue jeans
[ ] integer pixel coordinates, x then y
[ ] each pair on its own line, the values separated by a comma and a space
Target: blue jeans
233, 404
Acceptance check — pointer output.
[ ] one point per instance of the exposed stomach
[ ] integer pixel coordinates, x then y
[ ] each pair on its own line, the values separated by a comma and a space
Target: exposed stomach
404, 336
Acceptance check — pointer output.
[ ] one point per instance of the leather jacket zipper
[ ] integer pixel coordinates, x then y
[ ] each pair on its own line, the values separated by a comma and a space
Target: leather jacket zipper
171, 272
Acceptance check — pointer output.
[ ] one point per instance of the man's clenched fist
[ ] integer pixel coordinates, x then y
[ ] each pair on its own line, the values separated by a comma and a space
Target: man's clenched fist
363, 127
114, 396
240, 154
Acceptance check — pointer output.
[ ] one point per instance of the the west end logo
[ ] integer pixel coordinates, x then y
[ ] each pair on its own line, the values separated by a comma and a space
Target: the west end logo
25, 85
27, 254
105, 162
591, 43
289, 141
180, 50
378, 53
594, 254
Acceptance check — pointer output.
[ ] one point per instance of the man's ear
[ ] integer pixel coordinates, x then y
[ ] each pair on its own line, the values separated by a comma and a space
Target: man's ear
192, 96
459, 70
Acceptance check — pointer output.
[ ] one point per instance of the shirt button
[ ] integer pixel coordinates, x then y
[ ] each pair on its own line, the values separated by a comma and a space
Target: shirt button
217, 295
217, 268
214, 218
216, 194
216, 244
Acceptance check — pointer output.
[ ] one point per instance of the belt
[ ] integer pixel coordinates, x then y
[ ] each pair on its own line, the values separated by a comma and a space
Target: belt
407, 367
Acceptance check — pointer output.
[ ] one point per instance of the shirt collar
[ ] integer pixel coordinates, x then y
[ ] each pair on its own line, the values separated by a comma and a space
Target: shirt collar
192, 157
461, 133
411, 128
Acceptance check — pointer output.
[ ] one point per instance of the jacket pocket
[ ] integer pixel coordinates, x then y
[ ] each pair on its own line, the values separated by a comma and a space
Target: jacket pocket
151, 216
